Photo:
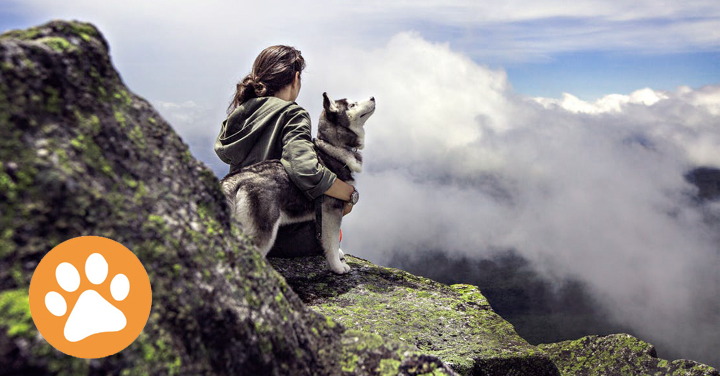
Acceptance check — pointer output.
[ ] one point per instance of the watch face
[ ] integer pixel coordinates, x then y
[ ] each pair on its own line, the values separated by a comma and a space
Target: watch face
354, 197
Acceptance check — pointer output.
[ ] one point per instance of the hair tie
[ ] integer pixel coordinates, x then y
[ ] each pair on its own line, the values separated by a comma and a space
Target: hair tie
260, 89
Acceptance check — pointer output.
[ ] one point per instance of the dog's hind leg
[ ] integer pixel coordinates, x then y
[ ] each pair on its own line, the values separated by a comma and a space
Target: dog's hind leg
258, 221
268, 239
331, 239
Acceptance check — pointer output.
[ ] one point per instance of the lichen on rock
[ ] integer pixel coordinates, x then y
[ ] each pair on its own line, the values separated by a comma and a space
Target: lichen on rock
454, 323
618, 354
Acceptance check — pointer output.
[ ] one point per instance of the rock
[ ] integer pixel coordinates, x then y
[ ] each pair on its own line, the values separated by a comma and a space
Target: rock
618, 354
454, 323
82, 155
707, 180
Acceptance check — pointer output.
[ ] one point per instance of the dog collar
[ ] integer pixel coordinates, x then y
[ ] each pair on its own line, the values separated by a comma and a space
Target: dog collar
354, 150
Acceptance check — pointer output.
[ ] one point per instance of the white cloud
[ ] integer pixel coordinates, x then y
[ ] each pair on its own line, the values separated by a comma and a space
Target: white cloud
457, 161
707, 97
183, 116
422, 84
608, 103
197, 125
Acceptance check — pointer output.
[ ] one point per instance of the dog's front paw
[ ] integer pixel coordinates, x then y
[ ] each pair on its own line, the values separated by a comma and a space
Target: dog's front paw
341, 254
339, 267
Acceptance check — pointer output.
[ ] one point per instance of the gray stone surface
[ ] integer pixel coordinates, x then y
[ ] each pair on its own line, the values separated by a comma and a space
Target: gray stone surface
454, 322
618, 354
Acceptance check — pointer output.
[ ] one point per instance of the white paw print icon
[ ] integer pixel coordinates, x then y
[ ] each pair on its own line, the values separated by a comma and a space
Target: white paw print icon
81, 299
92, 314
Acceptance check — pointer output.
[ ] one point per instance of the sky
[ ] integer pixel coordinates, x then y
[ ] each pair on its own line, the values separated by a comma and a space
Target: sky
559, 129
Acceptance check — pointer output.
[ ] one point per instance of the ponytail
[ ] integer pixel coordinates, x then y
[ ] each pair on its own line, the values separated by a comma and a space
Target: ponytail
273, 69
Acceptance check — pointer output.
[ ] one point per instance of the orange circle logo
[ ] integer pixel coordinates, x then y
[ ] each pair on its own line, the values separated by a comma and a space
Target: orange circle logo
90, 297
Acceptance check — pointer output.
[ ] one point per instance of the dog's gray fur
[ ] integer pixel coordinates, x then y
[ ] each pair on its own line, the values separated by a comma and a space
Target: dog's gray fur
263, 197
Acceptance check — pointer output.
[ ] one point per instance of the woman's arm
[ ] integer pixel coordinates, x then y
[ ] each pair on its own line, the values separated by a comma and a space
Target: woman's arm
304, 169
299, 158
342, 191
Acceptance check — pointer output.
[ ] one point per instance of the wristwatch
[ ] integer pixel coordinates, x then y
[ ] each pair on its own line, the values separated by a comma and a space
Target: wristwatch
354, 196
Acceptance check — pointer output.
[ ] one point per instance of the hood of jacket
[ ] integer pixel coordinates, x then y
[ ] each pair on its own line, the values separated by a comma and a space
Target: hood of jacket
246, 125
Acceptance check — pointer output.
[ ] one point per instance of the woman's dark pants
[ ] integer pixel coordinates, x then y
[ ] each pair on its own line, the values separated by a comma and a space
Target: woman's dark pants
296, 240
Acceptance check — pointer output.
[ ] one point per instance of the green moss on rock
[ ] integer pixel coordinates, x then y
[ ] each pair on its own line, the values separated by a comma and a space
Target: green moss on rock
124, 98
58, 44
454, 323
370, 354
15, 313
618, 354
83, 29
27, 34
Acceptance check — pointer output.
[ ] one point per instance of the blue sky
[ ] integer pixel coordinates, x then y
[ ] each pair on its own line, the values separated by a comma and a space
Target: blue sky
593, 74
590, 49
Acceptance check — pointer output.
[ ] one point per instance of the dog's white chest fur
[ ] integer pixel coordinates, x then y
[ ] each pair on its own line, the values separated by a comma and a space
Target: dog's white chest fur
343, 155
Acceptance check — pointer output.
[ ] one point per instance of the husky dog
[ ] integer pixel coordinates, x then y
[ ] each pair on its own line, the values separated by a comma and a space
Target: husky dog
263, 197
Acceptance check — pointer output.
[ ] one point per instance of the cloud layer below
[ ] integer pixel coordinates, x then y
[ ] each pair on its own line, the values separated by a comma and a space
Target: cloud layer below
457, 161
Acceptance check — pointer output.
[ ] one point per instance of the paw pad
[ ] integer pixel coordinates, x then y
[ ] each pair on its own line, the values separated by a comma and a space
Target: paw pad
90, 298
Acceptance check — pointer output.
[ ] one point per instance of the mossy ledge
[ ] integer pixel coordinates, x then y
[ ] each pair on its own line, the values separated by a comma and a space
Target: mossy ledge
618, 354
454, 323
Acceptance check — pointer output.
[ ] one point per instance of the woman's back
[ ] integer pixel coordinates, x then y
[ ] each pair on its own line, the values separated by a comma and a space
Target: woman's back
254, 131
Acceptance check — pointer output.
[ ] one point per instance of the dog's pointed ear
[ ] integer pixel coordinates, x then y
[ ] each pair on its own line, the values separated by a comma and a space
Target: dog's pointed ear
329, 104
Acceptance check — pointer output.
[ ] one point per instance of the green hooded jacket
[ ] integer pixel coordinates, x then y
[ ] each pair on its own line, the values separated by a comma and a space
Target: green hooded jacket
272, 128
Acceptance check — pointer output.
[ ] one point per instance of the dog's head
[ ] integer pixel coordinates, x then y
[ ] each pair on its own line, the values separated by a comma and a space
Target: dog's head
342, 121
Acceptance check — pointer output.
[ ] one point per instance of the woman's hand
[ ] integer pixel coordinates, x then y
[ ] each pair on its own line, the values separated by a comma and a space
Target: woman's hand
340, 190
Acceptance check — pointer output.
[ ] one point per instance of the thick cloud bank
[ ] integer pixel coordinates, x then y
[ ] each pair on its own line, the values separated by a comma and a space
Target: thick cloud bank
456, 161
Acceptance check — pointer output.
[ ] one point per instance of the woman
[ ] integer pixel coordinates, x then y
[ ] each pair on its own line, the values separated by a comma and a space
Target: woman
264, 122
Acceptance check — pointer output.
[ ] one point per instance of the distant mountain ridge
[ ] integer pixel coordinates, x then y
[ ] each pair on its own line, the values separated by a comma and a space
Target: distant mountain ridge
80, 154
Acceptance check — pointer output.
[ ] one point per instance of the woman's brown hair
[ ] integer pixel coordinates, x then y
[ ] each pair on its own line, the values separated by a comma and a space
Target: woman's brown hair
273, 69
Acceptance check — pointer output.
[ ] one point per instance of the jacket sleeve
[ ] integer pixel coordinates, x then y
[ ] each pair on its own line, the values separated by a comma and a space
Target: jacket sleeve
299, 158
